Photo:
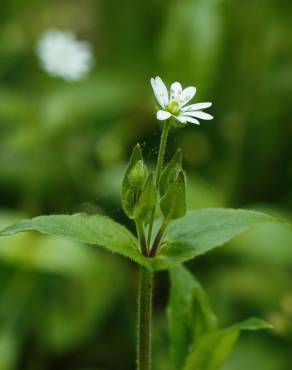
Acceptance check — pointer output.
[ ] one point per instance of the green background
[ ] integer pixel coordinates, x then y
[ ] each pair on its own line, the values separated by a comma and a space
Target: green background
64, 146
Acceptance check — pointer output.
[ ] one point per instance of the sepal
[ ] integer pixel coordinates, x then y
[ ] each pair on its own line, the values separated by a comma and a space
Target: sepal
170, 173
173, 203
147, 200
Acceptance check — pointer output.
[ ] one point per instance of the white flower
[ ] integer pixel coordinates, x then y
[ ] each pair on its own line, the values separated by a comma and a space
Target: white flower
62, 55
173, 104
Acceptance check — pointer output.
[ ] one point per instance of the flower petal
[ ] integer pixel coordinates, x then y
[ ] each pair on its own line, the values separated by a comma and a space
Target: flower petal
157, 92
160, 91
162, 115
196, 106
199, 114
185, 119
175, 91
187, 94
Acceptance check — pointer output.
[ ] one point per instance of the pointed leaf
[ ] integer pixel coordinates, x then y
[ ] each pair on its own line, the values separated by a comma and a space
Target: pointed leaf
202, 230
189, 314
213, 348
96, 229
253, 323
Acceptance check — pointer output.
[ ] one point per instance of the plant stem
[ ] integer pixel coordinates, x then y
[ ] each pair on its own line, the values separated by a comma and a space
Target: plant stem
142, 238
157, 239
159, 167
146, 276
144, 319
161, 153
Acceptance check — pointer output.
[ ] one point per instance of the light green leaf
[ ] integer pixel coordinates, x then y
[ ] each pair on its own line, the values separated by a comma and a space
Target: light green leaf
253, 323
202, 230
213, 348
189, 314
99, 230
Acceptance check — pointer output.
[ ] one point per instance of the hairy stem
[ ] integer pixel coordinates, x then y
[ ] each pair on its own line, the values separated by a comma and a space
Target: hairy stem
157, 239
144, 319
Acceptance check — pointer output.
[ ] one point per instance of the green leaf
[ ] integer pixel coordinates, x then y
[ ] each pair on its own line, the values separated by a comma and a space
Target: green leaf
189, 314
203, 230
213, 348
170, 172
99, 230
173, 203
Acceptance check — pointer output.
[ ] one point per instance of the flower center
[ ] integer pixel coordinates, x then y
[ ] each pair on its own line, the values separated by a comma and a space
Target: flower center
173, 107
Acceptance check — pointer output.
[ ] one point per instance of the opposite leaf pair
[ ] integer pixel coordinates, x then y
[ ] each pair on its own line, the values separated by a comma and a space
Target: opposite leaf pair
198, 232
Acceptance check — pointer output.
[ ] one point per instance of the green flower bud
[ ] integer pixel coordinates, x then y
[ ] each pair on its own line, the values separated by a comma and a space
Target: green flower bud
138, 175
129, 195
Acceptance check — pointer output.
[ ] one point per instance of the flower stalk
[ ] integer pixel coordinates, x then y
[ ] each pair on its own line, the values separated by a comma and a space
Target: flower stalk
142, 238
156, 243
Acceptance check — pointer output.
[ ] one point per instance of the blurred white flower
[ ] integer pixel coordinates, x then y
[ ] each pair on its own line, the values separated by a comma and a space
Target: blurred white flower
173, 104
62, 55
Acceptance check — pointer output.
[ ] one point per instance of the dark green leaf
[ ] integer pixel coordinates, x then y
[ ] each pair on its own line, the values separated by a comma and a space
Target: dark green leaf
189, 314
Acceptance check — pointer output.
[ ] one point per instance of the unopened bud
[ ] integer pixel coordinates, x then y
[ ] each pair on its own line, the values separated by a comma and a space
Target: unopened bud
138, 175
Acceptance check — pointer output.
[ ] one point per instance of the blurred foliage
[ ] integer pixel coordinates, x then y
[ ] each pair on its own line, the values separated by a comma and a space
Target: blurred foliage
63, 147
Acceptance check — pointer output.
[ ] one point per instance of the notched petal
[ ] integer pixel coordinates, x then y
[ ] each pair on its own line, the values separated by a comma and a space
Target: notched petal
197, 106
187, 95
162, 115
185, 119
175, 91
199, 114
